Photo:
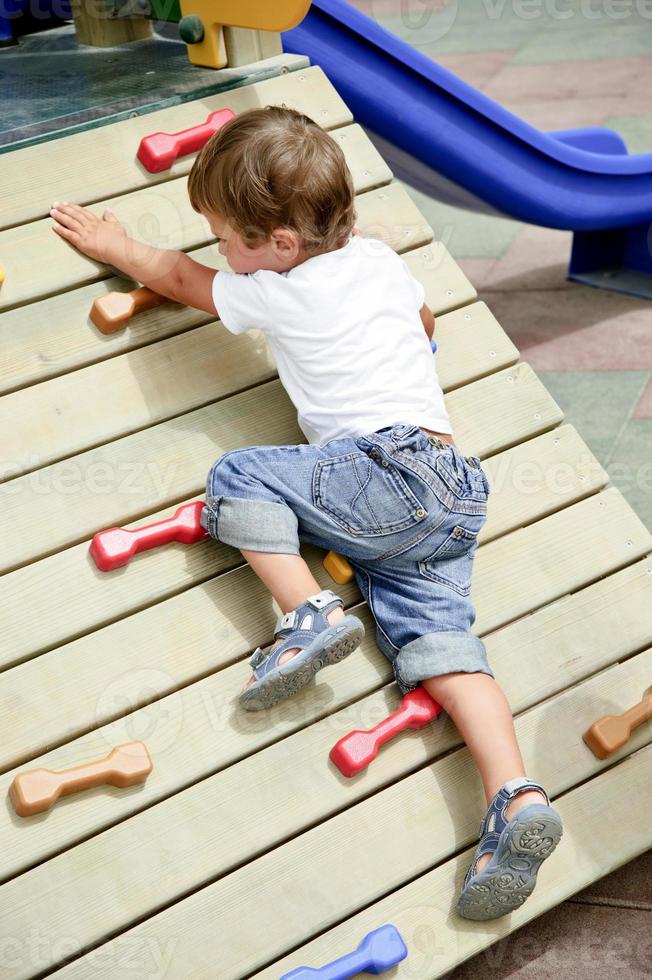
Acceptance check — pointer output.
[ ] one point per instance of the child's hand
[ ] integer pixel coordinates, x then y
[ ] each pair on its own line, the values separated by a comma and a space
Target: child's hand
95, 237
171, 273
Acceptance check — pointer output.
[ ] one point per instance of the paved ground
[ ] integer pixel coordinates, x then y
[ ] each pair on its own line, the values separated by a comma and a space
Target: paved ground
558, 64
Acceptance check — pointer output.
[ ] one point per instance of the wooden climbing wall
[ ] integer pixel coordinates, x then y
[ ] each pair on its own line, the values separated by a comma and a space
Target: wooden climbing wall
246, 853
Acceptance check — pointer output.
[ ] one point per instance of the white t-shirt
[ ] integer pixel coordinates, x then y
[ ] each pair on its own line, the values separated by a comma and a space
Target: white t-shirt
345, 332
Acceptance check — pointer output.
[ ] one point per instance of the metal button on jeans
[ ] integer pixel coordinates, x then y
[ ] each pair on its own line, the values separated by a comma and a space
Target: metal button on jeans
420, 512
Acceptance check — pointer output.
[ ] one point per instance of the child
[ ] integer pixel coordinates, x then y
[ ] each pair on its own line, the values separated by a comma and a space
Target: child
381, 479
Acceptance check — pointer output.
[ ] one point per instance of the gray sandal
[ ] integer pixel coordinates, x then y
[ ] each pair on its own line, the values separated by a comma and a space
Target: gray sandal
519, 847
308, 628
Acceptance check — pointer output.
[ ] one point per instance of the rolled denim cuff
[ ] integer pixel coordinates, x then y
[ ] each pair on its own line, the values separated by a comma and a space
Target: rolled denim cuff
256, 525
439, 653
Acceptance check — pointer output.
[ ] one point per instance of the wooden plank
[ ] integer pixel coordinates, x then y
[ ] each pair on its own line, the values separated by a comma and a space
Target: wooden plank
38, 263
422, 910
51, 337
68, 597
61, 417
244, 46
448, 288
108, 673
102, 162
143, 864
168, 462
571, 638
531, 410
584, 525
94, 25
367, 167
538, 477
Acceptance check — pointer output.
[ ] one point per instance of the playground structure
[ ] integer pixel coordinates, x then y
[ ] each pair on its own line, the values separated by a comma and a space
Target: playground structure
102, 430
582, 180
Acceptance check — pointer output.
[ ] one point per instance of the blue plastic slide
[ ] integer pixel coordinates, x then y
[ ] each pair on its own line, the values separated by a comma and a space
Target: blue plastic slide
580, 180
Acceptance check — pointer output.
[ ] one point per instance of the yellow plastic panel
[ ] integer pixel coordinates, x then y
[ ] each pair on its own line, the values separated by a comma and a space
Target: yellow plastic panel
257, 14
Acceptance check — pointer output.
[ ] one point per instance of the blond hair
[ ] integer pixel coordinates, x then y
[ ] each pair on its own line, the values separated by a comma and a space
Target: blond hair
271, 168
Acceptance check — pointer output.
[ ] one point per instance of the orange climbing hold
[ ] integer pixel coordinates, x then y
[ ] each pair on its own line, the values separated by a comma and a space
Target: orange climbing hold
113, 311
609, 733
338, 568
38, 789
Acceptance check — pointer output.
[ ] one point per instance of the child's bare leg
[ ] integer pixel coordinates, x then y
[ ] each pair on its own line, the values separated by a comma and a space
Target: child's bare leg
483, 718
290, 581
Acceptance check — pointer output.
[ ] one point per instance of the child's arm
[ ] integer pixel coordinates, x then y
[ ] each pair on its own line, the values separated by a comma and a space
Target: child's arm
170, 273
427, 320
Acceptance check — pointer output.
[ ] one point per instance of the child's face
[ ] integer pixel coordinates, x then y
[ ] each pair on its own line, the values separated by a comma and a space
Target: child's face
278, 254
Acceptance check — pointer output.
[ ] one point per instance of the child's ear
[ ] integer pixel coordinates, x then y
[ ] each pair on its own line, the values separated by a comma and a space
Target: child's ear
286, 243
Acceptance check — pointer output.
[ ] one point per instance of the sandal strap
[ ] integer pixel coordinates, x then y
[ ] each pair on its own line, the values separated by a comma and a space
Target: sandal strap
494, 821
257, 658
294, 632
496, 810
487, 845
290, 620
514, 786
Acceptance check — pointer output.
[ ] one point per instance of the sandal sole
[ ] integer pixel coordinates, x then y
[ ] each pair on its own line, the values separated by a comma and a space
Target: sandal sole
292, 676
511, 874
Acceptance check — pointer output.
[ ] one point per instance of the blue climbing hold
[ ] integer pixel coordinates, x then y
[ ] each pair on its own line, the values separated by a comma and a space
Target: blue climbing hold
378, 951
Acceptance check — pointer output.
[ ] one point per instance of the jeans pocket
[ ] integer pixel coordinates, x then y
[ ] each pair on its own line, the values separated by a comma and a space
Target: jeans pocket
478, 477
466, 480
452, 563
365, 496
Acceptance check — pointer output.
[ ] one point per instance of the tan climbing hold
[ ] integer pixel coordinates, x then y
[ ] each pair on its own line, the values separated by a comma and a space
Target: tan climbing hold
38, 789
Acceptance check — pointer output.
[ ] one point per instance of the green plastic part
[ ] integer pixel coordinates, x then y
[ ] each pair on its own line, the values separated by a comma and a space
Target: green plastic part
191, 29
168, 10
